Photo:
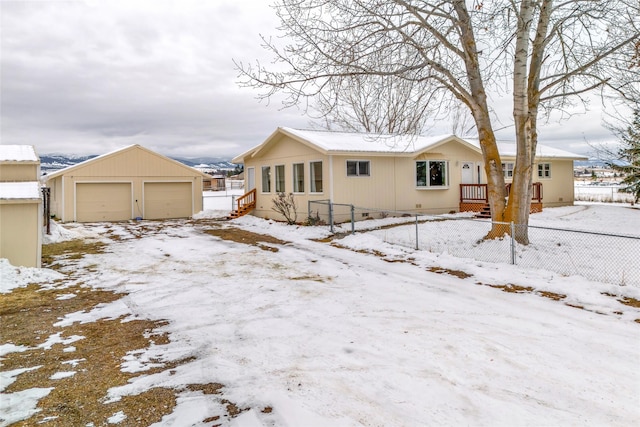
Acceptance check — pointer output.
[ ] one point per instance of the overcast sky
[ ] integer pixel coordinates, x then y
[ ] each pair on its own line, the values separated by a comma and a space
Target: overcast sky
88, 77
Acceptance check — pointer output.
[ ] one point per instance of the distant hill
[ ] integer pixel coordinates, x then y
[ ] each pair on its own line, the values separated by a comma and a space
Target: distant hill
53, 162
50, 163
217, 163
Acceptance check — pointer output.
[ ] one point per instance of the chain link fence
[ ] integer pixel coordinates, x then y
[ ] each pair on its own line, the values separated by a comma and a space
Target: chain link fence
598, 192
609, 258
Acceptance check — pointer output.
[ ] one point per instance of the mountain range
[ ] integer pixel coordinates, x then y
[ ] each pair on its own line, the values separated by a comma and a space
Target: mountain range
54, 162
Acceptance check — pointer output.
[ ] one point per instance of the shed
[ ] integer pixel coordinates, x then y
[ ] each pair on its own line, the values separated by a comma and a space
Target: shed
215, 183
129, 183
19, 163
20, 206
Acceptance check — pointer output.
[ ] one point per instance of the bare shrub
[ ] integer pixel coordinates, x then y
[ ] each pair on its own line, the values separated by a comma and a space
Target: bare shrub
285, 205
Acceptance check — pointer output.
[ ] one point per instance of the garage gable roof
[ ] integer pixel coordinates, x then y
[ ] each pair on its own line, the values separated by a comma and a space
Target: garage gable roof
330, 142
120, 151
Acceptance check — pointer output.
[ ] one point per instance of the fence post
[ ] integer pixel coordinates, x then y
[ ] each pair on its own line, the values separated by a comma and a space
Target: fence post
353, 220
513, 244
331, 215
233, 202
417, 246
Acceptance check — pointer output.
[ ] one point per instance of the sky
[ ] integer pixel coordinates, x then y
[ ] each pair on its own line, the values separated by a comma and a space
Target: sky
89, 77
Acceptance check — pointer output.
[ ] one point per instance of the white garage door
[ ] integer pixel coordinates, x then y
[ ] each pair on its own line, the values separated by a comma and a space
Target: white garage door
108, 201
163, 200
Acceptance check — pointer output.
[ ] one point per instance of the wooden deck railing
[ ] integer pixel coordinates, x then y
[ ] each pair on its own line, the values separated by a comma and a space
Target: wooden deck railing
474, 193
536, 196
247, 200
245, 204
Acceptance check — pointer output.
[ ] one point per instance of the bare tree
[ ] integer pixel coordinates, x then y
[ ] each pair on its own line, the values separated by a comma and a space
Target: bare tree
375, 104
562, 51
548, 54
461, 121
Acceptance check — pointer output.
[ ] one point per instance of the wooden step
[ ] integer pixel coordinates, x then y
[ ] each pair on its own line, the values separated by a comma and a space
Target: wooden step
237, 213
485, 212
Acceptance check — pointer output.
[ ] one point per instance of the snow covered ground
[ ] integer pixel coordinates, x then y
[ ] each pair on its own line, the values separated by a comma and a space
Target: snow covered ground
600, 192
366, 336
571, 240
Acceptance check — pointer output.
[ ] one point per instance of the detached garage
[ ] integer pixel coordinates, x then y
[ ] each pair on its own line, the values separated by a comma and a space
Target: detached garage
129, 183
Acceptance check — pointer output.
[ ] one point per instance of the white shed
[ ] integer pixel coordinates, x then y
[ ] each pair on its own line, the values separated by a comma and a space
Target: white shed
20, 206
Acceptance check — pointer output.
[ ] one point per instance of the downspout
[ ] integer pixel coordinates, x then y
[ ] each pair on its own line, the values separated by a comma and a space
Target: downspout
62, 201
331, 178
40, 226
395, 184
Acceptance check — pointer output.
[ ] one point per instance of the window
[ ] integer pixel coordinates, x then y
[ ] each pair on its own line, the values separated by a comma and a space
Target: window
358, 168
279, 179
298, 177
544, 170
507, 169
432, 173
315, 173
266, 179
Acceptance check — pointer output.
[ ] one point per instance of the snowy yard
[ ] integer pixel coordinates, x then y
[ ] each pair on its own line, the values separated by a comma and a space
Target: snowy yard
600, 192
358, 332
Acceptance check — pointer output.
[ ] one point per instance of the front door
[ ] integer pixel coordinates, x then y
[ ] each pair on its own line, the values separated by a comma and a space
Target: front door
468, 173
251, 179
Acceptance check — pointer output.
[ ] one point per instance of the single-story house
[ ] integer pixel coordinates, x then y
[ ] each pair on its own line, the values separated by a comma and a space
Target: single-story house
130, 183
20, 206
436, 174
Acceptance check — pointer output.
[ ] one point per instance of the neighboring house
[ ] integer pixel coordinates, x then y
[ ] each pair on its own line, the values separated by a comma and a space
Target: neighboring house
20, 206
130, 183
214, 183
437, 174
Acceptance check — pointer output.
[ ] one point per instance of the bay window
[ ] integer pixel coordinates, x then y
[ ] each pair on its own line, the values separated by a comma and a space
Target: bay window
432, 174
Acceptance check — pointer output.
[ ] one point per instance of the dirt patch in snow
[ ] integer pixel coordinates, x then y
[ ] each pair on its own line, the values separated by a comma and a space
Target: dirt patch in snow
82, 361
263, 241
70, 249
458, 273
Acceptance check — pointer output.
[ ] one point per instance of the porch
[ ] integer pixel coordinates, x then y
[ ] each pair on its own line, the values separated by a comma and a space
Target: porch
245, 204
473, 198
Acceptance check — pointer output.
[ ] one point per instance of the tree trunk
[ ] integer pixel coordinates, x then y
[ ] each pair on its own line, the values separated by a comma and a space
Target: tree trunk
480, 111
495, 181
519, 204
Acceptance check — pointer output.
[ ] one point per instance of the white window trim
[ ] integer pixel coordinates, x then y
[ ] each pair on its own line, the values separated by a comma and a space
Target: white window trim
275, 178
505, 169
357, 175
432, 187
311, 180
262, 168
538, 169
293, 178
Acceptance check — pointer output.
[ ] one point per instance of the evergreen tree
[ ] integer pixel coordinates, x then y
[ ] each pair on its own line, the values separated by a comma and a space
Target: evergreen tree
629, 156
